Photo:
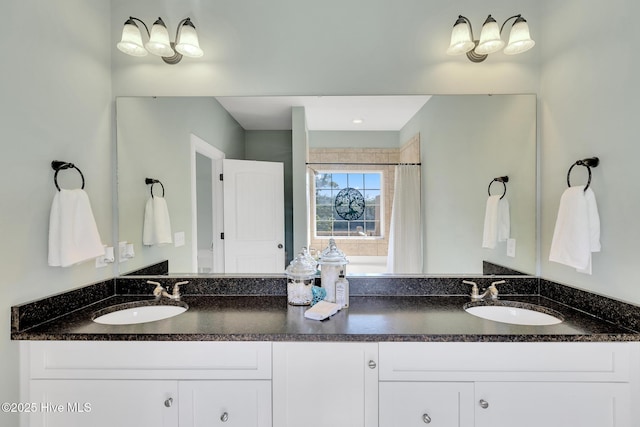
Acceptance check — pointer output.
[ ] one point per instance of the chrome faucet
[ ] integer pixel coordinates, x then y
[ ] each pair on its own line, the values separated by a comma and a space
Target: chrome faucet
160, 292
492, 291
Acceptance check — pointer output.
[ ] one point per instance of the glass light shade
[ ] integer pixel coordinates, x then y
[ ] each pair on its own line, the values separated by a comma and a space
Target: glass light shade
461, 40
131, 42
159, 43
519, 38
490, 40
187, 43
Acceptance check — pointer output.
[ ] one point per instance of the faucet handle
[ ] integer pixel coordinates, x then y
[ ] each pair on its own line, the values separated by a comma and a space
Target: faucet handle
158, 290
474, 288
176, 287
493, 291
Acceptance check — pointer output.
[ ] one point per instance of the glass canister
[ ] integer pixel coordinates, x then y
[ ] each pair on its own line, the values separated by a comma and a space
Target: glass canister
300, 280
332, 262
309, 257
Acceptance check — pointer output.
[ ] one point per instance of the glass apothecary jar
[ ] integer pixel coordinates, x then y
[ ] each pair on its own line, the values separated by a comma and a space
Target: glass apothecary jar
301, 276
332, 262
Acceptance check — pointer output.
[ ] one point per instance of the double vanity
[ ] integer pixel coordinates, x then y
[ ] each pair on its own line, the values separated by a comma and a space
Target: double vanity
232, 352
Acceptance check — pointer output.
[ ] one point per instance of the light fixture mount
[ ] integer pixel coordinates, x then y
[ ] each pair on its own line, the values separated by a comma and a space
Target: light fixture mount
173, 59
474, 56
463, 41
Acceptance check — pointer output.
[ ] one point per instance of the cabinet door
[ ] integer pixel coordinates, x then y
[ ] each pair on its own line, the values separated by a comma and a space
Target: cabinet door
415, 404
552, 404
225, 403
103, 403
325, 384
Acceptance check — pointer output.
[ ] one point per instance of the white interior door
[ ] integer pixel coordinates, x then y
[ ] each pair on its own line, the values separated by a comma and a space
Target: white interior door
253, 216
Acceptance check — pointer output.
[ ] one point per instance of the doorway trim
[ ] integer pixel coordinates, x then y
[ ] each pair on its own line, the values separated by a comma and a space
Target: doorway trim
200, 146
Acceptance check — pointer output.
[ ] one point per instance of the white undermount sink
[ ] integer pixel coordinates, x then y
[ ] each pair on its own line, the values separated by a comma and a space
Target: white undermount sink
139, 314
525, 314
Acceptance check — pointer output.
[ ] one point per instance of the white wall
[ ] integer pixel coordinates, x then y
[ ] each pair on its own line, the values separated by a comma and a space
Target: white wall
589, 106
299, 184
332, 47
56, 104
466, 141
154, 141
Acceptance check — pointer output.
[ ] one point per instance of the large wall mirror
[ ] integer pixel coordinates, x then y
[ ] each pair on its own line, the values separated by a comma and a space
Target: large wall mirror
462, 143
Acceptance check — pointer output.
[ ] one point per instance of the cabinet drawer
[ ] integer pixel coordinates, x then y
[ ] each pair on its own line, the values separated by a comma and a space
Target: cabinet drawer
414, 404
553, 404
225, 403
148, 360
505, 361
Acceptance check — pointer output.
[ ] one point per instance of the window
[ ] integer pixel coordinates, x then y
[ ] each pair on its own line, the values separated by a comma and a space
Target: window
348, 204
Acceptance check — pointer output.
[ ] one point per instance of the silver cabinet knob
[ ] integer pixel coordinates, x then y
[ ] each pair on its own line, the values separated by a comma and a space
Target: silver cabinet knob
168, 402
483, 404
372, 364
224, 417
426, 418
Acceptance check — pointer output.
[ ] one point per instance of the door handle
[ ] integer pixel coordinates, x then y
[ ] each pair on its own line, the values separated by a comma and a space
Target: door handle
280, 246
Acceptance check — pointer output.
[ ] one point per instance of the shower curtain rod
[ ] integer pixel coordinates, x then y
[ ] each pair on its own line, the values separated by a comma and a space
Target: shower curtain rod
363, 164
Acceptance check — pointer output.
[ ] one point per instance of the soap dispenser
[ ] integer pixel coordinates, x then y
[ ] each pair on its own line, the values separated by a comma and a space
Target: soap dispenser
342, 291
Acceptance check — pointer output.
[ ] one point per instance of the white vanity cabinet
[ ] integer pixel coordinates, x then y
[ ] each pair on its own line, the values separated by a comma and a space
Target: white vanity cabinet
338, 384
166, 384
507, 384
320, 384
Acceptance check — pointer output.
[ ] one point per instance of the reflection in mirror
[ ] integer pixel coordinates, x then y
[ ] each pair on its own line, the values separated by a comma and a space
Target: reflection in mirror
461, 141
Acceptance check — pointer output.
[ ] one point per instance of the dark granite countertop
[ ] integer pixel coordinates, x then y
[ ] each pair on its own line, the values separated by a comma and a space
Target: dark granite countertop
369, 318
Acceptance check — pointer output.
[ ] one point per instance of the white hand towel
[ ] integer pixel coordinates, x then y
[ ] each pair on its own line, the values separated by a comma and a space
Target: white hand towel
497, 222
504, 220
322, 310
156, 229
577, 231
73, 234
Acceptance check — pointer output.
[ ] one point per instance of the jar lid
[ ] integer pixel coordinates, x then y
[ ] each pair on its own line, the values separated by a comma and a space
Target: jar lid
310, 259
332, 255
300, 267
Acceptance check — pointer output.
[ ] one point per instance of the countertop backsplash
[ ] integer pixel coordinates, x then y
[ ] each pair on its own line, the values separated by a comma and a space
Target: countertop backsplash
30, 315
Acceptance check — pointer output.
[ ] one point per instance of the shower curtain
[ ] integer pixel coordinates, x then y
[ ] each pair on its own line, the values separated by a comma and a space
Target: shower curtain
405, 235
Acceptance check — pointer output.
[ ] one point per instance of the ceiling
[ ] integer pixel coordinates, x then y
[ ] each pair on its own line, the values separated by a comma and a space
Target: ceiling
378, 113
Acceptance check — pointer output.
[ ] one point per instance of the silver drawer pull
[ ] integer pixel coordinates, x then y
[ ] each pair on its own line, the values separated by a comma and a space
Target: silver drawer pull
372, 364
483, 404
426, 418
224, 417
168, 402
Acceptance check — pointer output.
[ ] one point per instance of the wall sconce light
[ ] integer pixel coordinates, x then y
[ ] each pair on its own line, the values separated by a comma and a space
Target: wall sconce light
462, 40
159, 44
